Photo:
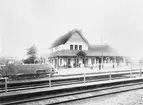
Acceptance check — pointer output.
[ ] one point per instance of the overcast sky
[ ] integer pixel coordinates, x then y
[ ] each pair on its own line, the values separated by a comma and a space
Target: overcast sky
27, 22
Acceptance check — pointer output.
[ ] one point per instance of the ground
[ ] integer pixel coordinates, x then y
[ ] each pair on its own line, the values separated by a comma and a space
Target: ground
134, 97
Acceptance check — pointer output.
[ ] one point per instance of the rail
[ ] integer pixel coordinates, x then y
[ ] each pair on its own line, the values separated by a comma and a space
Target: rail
36, 96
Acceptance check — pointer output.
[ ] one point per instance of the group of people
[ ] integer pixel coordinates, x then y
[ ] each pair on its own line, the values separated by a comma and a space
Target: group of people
100, 66
92, 66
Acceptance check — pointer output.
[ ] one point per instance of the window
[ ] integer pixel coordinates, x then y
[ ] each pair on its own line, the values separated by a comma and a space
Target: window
60, 61
75, 47
80, 47
71, 47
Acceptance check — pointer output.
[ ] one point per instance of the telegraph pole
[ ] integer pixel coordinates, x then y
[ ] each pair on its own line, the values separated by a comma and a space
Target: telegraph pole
102, 51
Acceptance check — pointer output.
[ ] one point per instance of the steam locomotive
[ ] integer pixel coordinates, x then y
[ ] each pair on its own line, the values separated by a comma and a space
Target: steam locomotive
27, 71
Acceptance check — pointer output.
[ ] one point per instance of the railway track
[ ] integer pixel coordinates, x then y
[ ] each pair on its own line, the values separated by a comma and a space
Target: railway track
76, 93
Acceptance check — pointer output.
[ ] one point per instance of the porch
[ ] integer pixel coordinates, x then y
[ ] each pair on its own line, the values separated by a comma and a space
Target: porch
87, 62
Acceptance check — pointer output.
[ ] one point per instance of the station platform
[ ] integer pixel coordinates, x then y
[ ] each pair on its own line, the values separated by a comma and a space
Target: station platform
71, 71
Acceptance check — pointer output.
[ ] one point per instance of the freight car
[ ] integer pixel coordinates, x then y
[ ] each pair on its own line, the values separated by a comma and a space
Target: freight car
27, 71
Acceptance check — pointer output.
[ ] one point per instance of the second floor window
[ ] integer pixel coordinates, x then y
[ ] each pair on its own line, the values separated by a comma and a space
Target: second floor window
71, 47
80, 47
75, 47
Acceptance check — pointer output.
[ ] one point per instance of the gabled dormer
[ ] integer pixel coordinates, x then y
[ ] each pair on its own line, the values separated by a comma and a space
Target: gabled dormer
73, 40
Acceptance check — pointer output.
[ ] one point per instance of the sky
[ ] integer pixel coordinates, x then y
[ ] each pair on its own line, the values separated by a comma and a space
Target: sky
23, 23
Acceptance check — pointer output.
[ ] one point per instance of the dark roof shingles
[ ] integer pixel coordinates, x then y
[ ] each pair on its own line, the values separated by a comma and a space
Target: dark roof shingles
104, 50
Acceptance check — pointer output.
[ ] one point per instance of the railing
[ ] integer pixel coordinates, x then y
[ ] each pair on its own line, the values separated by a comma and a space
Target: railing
5, 80
110, 74
49, 80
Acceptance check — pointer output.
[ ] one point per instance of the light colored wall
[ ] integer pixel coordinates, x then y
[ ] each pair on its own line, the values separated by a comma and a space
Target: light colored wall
89, 61
72, 62
75, 39
54, 49
80, 60
64, 61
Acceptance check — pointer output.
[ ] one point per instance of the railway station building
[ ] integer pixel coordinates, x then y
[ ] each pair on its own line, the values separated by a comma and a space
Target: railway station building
72, 50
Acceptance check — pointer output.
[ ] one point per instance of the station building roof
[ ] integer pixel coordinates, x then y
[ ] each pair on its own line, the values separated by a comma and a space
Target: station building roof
93, 50
63, 39
104, 50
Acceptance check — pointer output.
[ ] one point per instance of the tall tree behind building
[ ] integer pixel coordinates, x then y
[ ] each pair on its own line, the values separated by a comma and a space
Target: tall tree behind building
32, 55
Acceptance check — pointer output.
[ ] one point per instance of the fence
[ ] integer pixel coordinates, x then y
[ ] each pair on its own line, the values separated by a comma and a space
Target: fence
5, 80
